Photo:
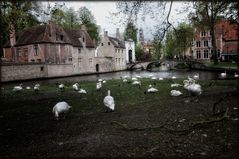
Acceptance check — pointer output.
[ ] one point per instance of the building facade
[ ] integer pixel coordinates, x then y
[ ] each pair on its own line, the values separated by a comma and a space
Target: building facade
226, 42
130, 51
111, 53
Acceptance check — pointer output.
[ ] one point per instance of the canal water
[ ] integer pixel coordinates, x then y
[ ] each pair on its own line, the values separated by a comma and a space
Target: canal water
162, 72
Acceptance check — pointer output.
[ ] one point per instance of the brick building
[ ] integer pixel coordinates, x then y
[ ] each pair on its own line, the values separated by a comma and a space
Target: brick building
226, 42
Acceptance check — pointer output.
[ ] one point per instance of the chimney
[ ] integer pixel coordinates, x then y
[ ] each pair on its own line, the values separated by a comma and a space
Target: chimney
12, 35
117, 33
105, 33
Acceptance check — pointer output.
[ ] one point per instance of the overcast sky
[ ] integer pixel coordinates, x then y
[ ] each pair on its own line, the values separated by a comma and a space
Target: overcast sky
102, 9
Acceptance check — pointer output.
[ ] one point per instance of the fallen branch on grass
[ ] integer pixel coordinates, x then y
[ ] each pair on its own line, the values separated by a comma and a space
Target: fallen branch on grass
126, 127
196, 124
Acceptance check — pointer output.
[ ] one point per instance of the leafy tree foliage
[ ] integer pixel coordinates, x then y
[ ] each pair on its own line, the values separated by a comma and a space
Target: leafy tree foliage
87, 18
20, 14
139, 52
184, 37
131, 32
170, 45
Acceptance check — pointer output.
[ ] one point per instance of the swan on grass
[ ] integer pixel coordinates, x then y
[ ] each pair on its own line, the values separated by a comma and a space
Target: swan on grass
98, 85
17, 88
60, 108
75, 86
192, 87
125, 80
235, 75
175, 85
173, 77
138, 83
28, 87
160, 78
36, 87
134, 79
175, 93
196, 76
153, 78
223, 74
151, 90
109, 102
104, 81
61, 87
82, 91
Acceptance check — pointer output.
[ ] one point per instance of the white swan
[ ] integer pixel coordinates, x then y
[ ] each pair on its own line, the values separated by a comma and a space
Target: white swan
153, 78
175, 85
193, 88
151, 90
104, 81
36, 87
75, 86
196, 76
236, 75
138, 76
61, 87
98, 85
134, 79
82, 91
160, 78
223, 74
17, 88
59, 108
28, 87
125, 80
136, 83
125, 77
109, 102
100, 80
173, 77
175, 93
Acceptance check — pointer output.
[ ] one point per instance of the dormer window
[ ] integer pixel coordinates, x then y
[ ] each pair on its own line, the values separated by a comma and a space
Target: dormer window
108, 43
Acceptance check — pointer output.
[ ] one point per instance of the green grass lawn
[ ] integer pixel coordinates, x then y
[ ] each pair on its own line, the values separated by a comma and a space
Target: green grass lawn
222, 65
28, 128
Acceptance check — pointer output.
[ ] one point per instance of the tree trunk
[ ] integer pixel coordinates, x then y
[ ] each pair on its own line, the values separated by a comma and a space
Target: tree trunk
214, 44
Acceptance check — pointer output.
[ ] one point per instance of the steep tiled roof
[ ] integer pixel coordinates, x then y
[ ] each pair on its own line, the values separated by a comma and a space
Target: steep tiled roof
51, 33
74, 36
116, 42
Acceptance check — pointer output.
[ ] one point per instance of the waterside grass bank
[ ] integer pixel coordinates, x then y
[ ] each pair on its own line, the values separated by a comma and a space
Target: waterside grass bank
142, 125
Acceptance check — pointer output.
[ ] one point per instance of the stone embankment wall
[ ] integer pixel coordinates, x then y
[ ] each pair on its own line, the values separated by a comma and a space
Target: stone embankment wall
15, 72
10, 72
22, 72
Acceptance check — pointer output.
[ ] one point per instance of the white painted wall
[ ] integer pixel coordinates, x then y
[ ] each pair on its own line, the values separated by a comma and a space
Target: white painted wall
129, 45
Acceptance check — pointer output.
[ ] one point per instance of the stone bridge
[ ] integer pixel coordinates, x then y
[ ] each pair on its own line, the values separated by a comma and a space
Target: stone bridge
170, 63
138, 65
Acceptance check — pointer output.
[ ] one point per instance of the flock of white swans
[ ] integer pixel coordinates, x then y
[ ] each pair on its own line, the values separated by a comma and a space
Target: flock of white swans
190, 84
